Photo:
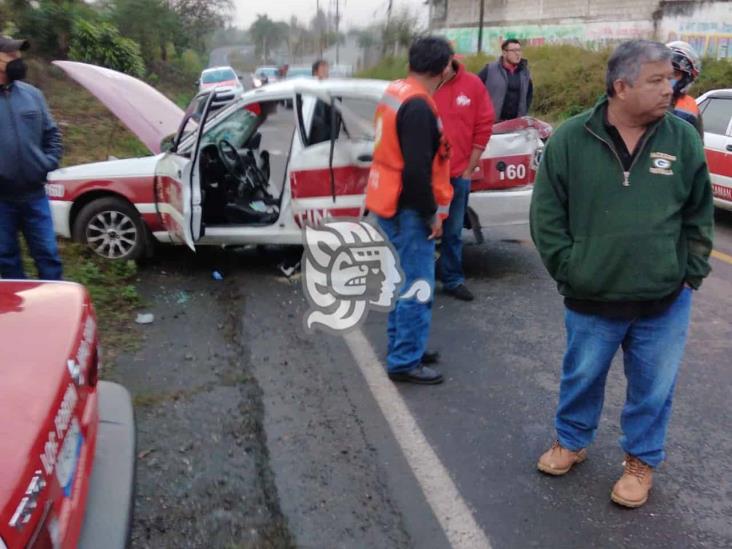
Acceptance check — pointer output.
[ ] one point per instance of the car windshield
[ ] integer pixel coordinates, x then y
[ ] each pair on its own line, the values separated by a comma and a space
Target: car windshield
236, 128
267, 71
219, 75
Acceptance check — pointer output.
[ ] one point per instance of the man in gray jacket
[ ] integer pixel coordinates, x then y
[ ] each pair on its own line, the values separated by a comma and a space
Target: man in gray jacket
508, 81
30, 147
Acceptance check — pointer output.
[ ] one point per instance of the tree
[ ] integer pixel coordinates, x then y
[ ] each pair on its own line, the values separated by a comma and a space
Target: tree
267, 35
150, 23
399, 31
200, 18
101, 44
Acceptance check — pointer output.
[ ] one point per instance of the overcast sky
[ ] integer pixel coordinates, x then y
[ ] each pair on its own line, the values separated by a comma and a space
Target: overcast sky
354, 13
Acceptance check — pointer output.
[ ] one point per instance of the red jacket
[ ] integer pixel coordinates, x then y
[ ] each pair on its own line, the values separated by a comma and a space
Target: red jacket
467, 115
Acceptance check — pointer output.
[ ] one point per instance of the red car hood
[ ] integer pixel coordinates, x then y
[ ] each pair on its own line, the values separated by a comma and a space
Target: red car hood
141, 108
36, 337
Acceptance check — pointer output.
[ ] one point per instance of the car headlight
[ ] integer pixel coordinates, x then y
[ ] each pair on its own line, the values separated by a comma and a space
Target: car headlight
257, 82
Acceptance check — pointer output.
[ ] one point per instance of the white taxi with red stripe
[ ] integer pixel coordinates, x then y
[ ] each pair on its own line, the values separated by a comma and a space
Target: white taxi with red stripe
254, 172
716, 112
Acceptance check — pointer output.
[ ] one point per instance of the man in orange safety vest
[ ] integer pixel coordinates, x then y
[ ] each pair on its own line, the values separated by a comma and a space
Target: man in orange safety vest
409, 190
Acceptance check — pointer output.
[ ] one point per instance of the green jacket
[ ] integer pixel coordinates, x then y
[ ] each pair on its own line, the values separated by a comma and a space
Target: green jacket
609, 235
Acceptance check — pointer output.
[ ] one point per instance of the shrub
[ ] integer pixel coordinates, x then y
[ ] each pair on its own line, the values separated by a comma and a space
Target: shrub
189, 64
567, 79
102, 44
716, 74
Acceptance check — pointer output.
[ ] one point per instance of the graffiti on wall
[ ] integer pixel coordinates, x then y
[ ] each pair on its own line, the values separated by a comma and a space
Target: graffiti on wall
709, 38
595, 35
706, 26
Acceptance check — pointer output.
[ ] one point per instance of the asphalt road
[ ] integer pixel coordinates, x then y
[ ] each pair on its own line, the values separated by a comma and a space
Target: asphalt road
328, 462
331, 464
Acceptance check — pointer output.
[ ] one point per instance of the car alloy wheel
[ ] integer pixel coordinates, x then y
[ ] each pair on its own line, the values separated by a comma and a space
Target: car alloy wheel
112, 234
112, 228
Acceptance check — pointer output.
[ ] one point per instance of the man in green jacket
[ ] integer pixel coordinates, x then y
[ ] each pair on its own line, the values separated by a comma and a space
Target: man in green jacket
622, 216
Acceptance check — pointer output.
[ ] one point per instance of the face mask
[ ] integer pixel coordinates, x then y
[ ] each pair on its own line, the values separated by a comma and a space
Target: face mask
16, 70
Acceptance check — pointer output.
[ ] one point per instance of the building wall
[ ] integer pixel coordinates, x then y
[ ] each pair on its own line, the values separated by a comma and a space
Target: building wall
594, 23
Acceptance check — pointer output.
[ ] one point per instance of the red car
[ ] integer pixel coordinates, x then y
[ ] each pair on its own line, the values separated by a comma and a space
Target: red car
66, 440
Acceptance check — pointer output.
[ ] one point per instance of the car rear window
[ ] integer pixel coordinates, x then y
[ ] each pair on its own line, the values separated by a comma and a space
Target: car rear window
221, 75
716, 115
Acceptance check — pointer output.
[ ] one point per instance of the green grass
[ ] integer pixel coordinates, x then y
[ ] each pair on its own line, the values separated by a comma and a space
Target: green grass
113, 291
567, 79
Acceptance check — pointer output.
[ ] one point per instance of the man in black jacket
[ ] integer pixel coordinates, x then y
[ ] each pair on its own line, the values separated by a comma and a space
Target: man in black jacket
508, 81
30, 147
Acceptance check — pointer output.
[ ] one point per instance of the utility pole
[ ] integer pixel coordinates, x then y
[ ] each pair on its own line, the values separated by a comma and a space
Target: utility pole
388, 11
320, 29
480, 26
338, 37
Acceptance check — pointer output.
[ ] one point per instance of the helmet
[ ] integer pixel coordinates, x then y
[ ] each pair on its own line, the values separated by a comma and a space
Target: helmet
686, 60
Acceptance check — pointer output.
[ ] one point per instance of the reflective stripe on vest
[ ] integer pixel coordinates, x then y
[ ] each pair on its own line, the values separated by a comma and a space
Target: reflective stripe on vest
385, 178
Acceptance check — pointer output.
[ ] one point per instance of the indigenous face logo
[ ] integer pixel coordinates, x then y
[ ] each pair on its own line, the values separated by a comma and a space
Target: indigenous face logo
349, 268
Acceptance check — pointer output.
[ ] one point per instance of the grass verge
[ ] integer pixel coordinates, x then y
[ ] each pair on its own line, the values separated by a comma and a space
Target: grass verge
113, 291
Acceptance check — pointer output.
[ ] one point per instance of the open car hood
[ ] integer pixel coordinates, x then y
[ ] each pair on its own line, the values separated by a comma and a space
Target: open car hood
141, 108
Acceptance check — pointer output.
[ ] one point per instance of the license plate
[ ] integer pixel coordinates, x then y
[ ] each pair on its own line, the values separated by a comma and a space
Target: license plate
68, 458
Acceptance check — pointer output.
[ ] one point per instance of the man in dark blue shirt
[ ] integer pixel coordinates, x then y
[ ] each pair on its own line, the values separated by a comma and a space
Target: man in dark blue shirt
30, 147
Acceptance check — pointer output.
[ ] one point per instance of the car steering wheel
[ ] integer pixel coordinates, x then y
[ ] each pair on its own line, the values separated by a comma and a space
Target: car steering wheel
230, 159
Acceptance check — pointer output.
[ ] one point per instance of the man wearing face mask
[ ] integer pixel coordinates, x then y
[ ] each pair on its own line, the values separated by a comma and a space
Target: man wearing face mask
687, 67
30, 147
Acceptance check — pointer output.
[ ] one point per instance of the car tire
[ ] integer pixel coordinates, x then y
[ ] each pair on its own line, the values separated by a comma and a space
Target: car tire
112, 228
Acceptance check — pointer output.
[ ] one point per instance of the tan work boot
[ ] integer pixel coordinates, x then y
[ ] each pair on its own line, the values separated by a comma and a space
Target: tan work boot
557, 460
633, 487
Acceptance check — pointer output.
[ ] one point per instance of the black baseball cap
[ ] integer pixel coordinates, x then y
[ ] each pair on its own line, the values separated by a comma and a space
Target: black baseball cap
9, 45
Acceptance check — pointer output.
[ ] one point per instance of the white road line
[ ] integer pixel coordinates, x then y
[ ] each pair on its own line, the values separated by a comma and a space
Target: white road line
442, 495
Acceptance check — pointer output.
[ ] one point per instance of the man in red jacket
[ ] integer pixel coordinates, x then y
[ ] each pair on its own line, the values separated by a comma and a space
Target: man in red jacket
467, 114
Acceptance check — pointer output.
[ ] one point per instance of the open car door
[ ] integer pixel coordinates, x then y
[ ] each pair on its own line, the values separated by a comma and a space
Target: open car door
331, 156
178, 197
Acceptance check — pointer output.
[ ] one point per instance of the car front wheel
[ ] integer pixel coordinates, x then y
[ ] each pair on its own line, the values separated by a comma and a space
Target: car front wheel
111, 228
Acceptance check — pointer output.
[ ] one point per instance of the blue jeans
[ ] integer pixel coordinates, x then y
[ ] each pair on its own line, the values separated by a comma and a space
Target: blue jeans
409, 322
652, 351
451, 248
32, 218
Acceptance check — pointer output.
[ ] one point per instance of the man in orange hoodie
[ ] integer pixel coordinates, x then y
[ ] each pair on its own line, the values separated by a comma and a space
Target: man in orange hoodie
467, 114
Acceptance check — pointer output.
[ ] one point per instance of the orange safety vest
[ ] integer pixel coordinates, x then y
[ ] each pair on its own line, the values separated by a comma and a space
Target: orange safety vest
687, 104
385, 178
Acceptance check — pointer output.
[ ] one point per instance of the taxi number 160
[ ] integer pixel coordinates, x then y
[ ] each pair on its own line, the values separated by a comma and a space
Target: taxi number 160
513, 171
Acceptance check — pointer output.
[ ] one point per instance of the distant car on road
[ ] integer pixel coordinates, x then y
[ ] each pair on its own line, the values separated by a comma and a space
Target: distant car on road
716, 111
299, 72
67, 450
224, 79
265, 75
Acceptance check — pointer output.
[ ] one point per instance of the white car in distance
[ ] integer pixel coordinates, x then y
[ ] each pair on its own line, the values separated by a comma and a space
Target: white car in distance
224, 79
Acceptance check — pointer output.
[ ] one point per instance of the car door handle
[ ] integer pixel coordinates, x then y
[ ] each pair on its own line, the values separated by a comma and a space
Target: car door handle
365, 158
729, 148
